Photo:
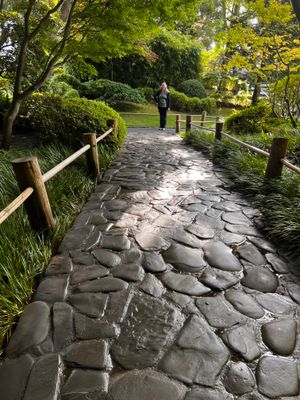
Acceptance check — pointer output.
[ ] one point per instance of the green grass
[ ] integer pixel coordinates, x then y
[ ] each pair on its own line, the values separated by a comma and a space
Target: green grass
130, 113
23, 254
278, 199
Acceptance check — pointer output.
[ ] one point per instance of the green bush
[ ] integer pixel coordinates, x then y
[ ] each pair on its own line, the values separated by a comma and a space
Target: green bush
112, 92
192, 88
62, 89
148, 93
250, 121
66, 78
64, 120
181, 102
210, 80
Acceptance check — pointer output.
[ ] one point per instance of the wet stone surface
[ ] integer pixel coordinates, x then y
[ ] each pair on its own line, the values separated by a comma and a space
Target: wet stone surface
164, 288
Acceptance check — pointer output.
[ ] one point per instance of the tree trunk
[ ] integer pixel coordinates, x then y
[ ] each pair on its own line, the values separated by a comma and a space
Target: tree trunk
296, 6
9, 119
256, 93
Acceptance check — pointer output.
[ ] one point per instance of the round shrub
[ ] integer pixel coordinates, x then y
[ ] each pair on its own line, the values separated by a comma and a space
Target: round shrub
65, 120
252, 120
66, 78
112, 92
62, 89
192, 88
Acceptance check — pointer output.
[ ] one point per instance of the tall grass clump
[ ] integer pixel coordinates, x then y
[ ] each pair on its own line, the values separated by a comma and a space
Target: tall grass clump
23, 254
277, 199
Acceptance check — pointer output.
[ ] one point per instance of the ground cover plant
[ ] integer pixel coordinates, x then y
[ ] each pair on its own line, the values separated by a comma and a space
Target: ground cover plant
277, 199
24, 255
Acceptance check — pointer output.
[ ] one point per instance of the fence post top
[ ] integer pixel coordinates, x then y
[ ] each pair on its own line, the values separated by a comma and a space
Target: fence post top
24, 160
89, 133
280, 139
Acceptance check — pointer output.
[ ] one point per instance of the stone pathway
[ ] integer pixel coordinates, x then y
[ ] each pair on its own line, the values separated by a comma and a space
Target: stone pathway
163, 289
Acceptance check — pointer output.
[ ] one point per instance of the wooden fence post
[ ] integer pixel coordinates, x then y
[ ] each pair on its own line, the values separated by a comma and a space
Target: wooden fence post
203, 118
219, 128
278, 151
188, 125
177, 123
92, 158
38, 207
113, 123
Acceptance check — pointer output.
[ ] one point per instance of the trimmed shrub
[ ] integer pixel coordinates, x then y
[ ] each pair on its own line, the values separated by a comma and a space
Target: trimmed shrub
66, 78
148, 93
112, 92
181, 102
253, 120
64, 120
192, 88
62, 89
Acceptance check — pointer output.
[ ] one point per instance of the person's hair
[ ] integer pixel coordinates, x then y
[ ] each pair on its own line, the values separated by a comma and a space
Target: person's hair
163, 86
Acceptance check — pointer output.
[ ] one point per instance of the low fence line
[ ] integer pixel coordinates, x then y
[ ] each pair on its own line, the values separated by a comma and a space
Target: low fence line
276, 157
32, 182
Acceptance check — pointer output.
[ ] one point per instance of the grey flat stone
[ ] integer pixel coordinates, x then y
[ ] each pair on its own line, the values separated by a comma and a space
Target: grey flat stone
263, 244
107, 284
277, 377
209, 222
201, 231
184, 283
90, 304
155, 324
244, 303
87, 273
191, 200
235, 218
85, 381
92, 240
43, 382
165, 221
14, 375
231, 238
151, 242
106, 257
152, 286
252, 396
198, 207
294, 291
88, 354
114, 205
181, 300
32, 329
126, 221
242, 339
60, 264
220, 256
140, 210
154, 262
133, 255
118, 305
217, 279
238, 379
198, 393
219, 312
280, 336
201, 357
79, 257
250, 253
277, 263
261, 279
90, 328
145, 385
129, 272
52, 289
74, 238
63, 333
227, 206
184, 258
276, 303
115, 242
97, 218
243, 230
181, 236
86, 396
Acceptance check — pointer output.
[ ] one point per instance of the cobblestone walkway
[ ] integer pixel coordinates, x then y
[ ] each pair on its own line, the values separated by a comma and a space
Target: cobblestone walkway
164, 289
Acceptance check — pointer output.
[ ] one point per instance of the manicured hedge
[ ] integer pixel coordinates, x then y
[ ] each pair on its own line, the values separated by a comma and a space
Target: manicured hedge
192, 88
65, 120
181, 102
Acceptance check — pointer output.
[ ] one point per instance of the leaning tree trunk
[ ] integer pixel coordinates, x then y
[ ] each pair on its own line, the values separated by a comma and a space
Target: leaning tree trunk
8, 122
256, 94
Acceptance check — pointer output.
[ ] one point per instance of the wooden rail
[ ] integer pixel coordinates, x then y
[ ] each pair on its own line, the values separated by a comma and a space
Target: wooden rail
276, 157
32, 182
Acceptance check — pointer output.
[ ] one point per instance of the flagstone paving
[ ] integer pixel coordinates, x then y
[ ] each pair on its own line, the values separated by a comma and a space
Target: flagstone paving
164, 288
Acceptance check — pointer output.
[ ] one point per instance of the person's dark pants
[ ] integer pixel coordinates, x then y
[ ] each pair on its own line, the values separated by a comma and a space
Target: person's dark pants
163, 116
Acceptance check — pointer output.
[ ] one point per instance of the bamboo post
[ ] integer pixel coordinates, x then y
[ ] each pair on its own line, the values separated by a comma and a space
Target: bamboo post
92, 158
177, 123
219, 128
38, 207
188, 125
203, 118
278, 151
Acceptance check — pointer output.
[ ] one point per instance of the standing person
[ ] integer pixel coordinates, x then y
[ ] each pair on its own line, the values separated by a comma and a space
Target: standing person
162, 99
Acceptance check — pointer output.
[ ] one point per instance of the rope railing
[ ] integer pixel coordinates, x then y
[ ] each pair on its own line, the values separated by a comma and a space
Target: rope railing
32, 182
